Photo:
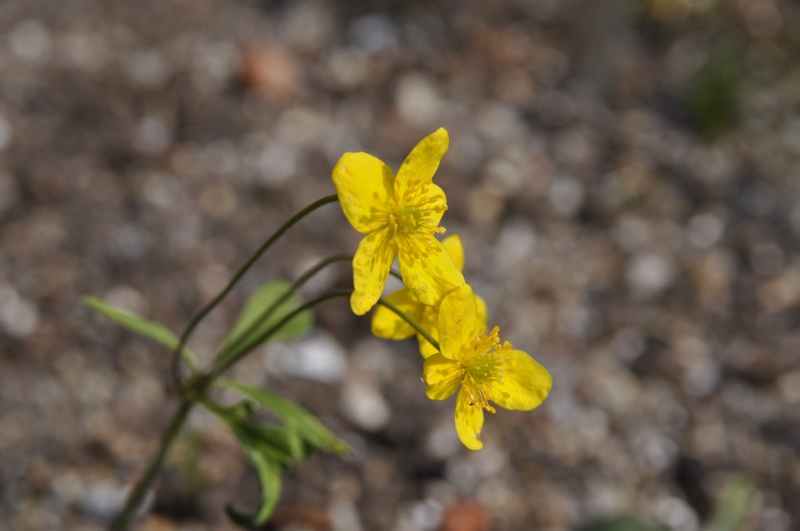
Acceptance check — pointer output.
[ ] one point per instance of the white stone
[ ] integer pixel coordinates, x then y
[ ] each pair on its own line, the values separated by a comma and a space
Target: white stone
418, 100
319, 358
705, 230
344, 515
147, 67
363, 404
676, 514
650, 273
152, 136
30, 40
373, 33
19, 317
566, 195
105, 500
426, 515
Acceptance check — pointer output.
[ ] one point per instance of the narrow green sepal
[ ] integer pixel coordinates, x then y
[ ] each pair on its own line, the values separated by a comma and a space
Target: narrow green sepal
144, 327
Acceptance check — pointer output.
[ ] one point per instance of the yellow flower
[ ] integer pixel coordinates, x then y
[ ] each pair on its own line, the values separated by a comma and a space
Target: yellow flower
400, 217
387, 324
483, 368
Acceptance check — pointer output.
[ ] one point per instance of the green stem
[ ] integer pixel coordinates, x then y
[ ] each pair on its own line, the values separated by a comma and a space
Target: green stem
196, 390
199, 316
401, 314
123, 519
267, 313
224, 364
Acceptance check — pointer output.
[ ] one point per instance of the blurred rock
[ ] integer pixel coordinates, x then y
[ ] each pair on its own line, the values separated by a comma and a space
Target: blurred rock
466, 516
675, 514
363, 404
6, 133
318, 358
19, 317
789, 386
152, 136
344, 515
373, 33
566, 196
30, 40
272, 71
147, 67
418, 100
705, 230
103, 500
649, 273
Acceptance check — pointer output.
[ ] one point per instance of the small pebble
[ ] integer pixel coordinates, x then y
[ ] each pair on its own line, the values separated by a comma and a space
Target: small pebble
19, 317
363, 404
152, 136
418, 100
649, 274
30, 40
319, 358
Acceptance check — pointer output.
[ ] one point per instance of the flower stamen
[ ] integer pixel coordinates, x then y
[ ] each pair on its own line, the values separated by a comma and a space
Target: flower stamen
483, 364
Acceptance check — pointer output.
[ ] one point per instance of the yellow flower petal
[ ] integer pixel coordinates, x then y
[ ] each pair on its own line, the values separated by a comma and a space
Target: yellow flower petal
429, 321
482, 312
371, 266
442, 376
365, 186
430, 278
423, 161
425, 348
525, 383
389, 325
458, 321
435, 203
456, 250
469, 422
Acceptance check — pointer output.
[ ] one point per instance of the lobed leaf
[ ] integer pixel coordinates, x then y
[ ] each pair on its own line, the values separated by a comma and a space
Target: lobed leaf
295, 417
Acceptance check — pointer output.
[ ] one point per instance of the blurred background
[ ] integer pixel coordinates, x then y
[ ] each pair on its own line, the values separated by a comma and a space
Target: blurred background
623, 174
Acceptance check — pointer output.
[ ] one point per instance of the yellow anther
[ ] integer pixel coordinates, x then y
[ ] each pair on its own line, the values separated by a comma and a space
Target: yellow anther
482, 363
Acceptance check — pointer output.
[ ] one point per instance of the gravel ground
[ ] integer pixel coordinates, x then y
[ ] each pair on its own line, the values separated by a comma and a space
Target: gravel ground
624, 178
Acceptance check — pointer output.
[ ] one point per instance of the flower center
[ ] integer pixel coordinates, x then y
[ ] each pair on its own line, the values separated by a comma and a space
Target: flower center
413, 219
483, 364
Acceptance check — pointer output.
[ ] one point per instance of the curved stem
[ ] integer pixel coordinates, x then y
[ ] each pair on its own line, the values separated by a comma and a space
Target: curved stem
196, 391
401, 314
199, 316
223, 365
123, 519
267, 313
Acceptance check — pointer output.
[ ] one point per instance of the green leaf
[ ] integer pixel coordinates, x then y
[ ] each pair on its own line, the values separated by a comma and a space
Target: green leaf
242, 409
732, 507
269, 476
621, 523
141, 326
261, 313
270, 449
275, 446
712, 97
268, 440
294, 416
